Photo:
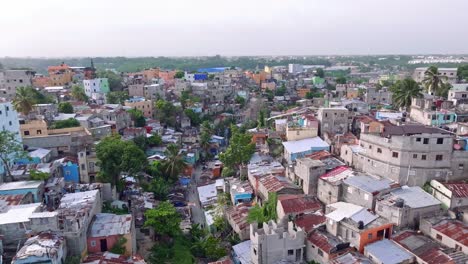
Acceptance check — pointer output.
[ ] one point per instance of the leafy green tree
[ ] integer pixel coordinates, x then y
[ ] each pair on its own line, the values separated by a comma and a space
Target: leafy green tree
167, 113
240, 149
119, 246
261, 119
213, 249
154, 140
137, 117
160, 188
404, 91
115, 80
194, 117
115, 156
65, 107
179, 75
462, 73
67, 123
341, 80
78, 93
117, 97
141, 142
433, 81
320, 73
261, 214
36, 175
174, 163
23, 101
164, 219
240, 100
10, 150
281, 91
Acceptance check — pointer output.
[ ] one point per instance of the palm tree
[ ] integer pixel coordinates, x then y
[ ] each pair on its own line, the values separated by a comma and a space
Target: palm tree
23, 101
433, 81
404, 91
174, 163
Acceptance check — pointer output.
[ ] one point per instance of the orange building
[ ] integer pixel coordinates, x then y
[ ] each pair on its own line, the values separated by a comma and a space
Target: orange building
150, 74
370, 235
302, 92
60, 75
41, 81
258, 77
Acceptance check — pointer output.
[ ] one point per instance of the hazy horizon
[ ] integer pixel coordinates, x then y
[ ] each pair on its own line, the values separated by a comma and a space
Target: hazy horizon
50, 29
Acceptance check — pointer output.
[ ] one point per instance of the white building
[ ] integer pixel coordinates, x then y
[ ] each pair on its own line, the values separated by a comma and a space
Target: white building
449, 73
96, 89
8, 122
295, 68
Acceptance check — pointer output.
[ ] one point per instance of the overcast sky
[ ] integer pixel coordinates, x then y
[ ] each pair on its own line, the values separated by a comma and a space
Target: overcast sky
55, 28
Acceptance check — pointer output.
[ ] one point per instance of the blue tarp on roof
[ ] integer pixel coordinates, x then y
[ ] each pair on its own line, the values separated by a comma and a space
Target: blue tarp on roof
215, 69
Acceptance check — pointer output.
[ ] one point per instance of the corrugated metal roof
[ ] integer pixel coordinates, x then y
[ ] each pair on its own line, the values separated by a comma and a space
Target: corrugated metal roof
299, 204
454, 229
459, 190
110, 224
368, 183
415, 197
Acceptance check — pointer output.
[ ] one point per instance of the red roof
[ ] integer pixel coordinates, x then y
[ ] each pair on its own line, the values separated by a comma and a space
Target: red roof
299, 204
423, 247
336, 171
319, 155
12, 199
458, 189
320, 240
276, 183
454, 229
238, 214
309, 222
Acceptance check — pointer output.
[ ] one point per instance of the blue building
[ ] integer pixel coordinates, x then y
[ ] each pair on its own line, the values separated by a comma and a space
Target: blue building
71, 172
212, 70
200, 76
300, 148
24, 187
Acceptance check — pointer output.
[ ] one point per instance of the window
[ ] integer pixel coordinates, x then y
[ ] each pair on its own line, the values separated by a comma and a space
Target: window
320, 252
423, 157
7, 108
93, 243
26, 133
415, 156
255, 251
290, 252
438, 237
369, 236
379, 150
426, 141
440, 141
67, 173
418, 139
460, 166
395, 154
39, 132
10, 123
439, 157
83, 167
370, 146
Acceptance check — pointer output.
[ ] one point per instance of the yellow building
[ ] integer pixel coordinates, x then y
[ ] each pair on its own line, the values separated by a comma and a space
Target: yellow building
140, 103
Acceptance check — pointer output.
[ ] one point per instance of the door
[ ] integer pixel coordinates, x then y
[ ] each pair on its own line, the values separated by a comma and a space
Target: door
103, 245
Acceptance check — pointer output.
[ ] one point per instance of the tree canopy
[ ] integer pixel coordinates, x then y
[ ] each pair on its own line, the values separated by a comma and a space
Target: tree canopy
67, 123
164, 219
167, 113
117, 97
434, 82
240, 149
404, 91
65, 107
462, 72
117, 156
78, 93
115, 80
137, 117
10, 149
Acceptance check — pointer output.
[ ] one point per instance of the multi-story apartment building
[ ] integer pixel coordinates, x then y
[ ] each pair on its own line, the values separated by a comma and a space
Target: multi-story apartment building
375, 97
333, 120
274, 243
8, 122
13, 79
154, 91
87, 161
140, 103
449, 73
432, 112
60, 75
410, 154
96, 89
295, 68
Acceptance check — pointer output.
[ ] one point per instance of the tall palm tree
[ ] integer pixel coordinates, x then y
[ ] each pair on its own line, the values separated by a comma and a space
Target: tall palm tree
23, 101
433, 81
404, 91
174, 163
